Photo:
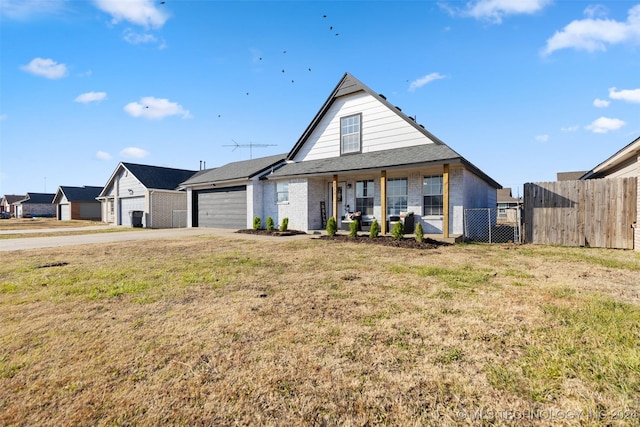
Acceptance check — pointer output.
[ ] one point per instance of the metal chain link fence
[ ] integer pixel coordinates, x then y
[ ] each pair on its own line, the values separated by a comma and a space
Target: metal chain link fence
490, 226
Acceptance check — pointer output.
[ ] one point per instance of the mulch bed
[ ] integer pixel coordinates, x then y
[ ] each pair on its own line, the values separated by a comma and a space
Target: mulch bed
407, 242
271, 232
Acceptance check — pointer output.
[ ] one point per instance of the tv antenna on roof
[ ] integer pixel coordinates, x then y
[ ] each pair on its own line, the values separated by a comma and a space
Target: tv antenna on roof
250, 145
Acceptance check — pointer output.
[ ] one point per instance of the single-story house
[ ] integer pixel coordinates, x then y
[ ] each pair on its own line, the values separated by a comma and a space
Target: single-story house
362, 157
7, 203
145, 196
77, 203
508, 206
623, 164
231, 195
570, 176
35, 205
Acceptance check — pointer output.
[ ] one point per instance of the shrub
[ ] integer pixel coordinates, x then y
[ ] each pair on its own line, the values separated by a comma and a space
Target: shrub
375, 229
270, 225
353, 228
285, 224
332, 227
398, 230
419, 233
257, 224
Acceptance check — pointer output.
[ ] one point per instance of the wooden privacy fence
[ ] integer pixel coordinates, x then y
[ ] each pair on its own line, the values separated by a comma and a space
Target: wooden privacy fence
593, 213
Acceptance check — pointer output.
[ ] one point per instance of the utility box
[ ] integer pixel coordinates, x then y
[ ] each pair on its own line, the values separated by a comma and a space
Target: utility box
136, 218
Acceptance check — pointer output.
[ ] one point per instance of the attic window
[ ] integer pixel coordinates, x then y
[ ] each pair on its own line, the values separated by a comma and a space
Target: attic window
350, 135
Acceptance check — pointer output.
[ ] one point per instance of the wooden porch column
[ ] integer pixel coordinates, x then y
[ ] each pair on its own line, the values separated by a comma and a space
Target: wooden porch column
445, 202
383, 202
334, 202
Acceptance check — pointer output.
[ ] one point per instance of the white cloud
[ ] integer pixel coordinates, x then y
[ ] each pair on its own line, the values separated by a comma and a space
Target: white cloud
593, 35
132, 37
138, 12
23, 9
604, 125
155, 108
570, 128
88, 97
418, 83
103, 155
46, 68
601, 103
542, 138
629, 95
596, 10
134, 153
496, 10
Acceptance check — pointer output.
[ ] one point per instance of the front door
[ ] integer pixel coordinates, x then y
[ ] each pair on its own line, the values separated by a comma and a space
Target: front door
343, 207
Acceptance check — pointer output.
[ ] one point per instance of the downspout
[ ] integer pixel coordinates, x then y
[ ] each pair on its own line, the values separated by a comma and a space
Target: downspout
445, 202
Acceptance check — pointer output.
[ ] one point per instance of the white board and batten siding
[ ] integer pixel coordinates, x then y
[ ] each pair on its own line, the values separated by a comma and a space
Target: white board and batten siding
382, 129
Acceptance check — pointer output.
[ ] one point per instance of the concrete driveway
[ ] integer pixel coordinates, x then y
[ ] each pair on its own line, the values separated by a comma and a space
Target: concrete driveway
28, 243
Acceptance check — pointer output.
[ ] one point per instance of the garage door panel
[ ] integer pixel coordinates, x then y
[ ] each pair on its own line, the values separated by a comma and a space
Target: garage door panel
130, 204
223, 208
65, 212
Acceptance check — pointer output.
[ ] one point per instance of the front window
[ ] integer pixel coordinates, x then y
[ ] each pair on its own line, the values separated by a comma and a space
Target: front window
432, 193
502, 210
364, 197
396, 196
282, 188
350, 134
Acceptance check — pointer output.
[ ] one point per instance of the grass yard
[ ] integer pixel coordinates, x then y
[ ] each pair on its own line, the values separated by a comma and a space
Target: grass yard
40, 223
207, 331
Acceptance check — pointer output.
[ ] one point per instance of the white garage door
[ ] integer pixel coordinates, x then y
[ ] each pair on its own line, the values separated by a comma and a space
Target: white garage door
65, 212
130, 204
222, 208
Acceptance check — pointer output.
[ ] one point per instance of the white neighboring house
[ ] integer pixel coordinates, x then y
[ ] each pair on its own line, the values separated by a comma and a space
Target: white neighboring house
361, 156
146, 196
623, 164
35, 205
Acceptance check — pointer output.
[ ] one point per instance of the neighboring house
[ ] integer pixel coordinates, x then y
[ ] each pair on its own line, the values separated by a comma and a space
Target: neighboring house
231, 195
148, 191
77, 203
508, 206
360, 155
7, 203
35, 205
623, 164
569, 176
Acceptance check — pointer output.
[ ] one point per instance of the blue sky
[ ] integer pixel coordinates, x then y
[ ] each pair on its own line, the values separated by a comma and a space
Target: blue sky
521, 88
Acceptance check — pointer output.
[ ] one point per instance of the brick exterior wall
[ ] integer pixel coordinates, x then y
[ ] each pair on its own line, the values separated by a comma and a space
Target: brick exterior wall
162, 206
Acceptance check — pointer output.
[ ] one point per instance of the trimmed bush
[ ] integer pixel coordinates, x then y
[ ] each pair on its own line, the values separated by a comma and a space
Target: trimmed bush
353, 228
257, 224
332, 227
398, 230
374, 230
285, 224
270, 224
419, 233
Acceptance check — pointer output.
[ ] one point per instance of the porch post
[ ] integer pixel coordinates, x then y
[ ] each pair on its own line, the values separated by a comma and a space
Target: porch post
335, 197
445, 202
383, 202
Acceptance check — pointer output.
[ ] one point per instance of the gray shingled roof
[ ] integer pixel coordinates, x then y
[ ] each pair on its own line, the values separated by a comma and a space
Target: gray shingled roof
419, 155
79, 194
237, 170
157, 177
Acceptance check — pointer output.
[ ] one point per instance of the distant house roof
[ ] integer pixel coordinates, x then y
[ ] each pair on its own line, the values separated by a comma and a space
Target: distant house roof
12, 198
241, 170
157, 177
504, 195
151, 177
414, 156
37, 198
77, 194
570, 176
